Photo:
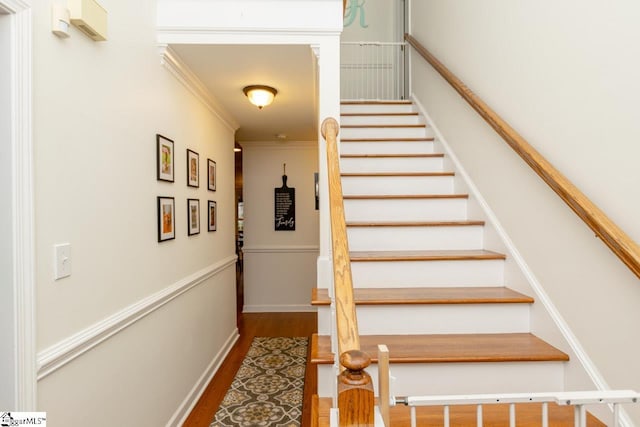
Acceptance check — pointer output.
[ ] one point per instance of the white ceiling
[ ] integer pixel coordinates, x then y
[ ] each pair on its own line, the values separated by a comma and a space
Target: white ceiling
226, 69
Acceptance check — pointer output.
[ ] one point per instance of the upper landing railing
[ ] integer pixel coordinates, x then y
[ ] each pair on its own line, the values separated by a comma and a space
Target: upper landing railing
616, 239
372, 70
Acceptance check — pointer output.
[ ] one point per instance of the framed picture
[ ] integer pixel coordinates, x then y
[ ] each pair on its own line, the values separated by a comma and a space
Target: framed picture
193, 216
193, 169
164, 150
166, 218
212, 219
211, 174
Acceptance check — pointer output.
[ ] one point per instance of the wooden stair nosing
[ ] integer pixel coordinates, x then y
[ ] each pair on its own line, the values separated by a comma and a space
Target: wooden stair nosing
467, 223
395, 174
450, 255
427, 296
388, 102
411, 113
384, 126
427, 139
400, 155
448, 348
403, 196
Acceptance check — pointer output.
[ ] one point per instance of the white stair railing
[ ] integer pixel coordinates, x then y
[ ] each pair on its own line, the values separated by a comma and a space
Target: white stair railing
577, 399
372, 71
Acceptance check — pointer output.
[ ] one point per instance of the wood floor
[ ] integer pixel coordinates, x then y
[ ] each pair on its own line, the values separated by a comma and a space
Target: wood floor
253, 325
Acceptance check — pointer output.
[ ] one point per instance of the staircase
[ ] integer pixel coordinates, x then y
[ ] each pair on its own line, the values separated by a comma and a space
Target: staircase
425, 283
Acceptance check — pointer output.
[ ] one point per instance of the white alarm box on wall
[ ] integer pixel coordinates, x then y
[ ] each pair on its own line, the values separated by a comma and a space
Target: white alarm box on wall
89, 17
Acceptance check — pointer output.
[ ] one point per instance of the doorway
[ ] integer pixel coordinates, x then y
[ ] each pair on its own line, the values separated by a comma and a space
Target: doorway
239, 230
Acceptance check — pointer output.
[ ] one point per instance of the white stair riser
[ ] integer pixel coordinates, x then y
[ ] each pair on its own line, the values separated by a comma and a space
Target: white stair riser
415, 238
398, 185
377, 108
437, 319
324, 320
387, 147
405, 209
413, 119
460, 378
374, 132
391, 164
385, 274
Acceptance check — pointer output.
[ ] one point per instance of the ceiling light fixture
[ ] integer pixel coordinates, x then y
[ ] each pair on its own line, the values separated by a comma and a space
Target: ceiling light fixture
260, 95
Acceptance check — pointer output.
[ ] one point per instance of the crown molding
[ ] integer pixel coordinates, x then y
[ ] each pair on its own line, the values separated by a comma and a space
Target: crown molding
181, 71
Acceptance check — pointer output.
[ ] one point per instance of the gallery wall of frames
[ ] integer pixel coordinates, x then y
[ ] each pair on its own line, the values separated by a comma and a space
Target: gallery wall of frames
166, 214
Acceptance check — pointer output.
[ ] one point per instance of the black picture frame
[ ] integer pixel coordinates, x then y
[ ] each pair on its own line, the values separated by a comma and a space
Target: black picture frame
211, 175
212, 216
193, 217
166, 218
193, 169
165, 158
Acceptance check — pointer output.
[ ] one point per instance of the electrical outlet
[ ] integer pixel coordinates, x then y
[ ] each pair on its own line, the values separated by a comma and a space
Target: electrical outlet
62, 260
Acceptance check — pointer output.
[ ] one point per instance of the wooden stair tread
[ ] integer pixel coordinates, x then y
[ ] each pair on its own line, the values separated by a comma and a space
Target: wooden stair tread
395, 174
389, 102
386, 139
415, 224
403, 196
438, 255
413, 113
383, 126
383, 156
428, 295
448, 348
527, 415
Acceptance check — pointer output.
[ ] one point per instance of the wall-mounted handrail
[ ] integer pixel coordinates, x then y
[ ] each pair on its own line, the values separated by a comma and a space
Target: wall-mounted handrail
355, 388
616, 239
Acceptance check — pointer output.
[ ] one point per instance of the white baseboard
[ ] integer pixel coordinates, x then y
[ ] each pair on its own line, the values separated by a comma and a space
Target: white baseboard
284, 308
185, 408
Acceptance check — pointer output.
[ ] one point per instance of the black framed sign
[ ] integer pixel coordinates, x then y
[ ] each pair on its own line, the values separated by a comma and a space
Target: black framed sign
285, 207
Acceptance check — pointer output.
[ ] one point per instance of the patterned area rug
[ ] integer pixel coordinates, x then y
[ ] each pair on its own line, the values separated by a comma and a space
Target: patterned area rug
267, 390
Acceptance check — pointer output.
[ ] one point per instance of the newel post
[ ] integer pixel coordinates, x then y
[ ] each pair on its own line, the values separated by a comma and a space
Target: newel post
355, 390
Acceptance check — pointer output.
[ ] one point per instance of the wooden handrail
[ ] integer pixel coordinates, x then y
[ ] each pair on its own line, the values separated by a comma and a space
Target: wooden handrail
616, 239
355, 388
346, 320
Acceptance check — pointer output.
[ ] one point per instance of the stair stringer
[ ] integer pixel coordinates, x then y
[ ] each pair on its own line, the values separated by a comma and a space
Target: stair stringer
580, 373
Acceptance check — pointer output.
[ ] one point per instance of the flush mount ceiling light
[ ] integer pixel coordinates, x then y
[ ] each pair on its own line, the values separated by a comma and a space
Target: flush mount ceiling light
260, 95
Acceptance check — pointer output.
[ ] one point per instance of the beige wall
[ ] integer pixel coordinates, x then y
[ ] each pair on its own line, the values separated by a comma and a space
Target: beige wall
279, 266
564, 74
97, 108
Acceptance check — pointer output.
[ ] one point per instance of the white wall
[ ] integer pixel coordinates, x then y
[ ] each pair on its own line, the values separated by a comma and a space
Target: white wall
279, 266
7, 325
154, 318
565, 76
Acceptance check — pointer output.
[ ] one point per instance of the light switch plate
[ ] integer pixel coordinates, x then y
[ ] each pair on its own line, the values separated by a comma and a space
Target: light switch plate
62, 260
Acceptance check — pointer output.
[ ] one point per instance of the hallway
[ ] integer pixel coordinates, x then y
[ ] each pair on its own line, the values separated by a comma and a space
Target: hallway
252, 325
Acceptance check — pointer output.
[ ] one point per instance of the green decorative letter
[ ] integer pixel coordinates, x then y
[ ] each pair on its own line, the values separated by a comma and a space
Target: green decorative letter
353, 8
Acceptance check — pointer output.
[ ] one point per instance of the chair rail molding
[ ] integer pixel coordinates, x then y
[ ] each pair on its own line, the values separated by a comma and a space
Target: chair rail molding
65, 351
